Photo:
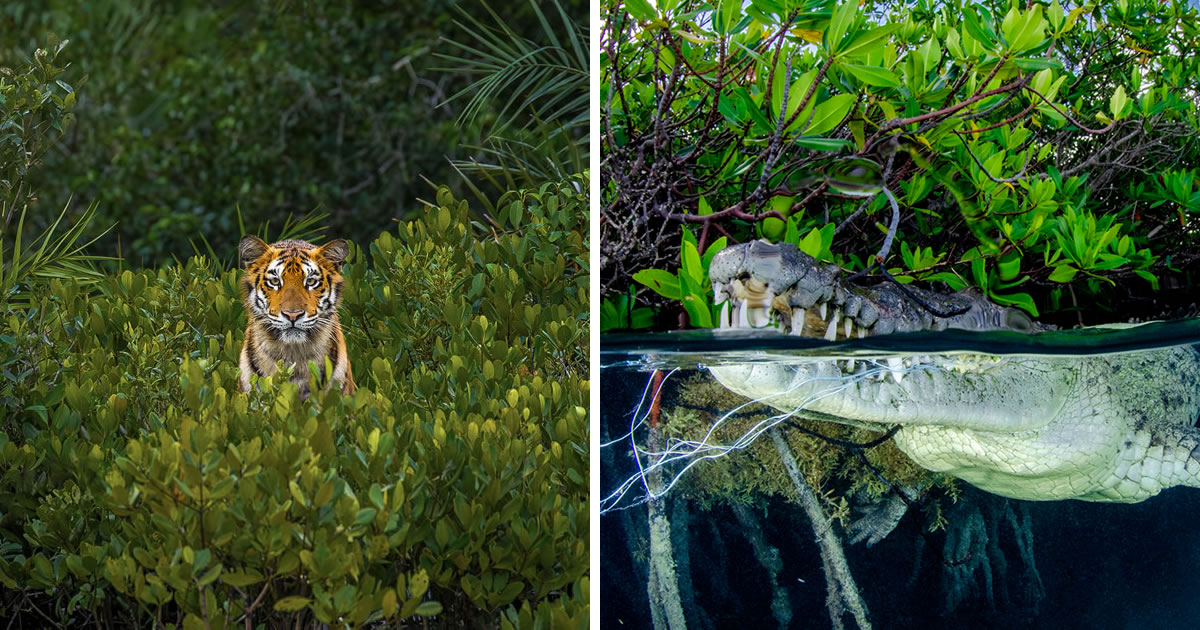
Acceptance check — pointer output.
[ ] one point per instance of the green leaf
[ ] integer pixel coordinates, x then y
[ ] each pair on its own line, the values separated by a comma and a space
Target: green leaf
1148, 277
1116, 104
792, 233
640, 10
364, 516
954, 44
1055, 15
820, 143
978, 272
811, 244
1063, 273
796, 93
830, 113
733, 111
1019, 300
691, 264
867, 42
697, 310
1024, 31
1008, 267
429, 609
292, 604
975, 27
242, 578
760, 121
210, 576
772, 228
843, 19
871, 75
730, 13
712, 250
664, 283
1038, 63
953, 281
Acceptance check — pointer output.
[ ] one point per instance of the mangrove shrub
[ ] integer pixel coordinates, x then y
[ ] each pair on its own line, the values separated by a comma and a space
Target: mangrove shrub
137, 484
1043, 152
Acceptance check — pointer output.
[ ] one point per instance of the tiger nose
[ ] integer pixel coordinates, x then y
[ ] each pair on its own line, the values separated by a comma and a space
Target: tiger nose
293, 315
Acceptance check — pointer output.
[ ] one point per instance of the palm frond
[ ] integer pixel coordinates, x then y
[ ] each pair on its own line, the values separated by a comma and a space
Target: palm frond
539, 93
54, 254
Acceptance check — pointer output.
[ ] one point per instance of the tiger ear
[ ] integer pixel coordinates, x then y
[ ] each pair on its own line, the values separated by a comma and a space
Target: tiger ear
251, 249
335, 252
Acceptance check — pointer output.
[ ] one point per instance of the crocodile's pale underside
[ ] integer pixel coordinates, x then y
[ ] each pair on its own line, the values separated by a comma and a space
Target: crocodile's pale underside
1098, 428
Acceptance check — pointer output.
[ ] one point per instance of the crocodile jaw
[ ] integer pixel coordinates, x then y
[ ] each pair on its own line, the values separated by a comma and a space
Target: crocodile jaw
761, 285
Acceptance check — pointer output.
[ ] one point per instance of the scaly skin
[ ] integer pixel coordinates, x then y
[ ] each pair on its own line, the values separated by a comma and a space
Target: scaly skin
1116, 428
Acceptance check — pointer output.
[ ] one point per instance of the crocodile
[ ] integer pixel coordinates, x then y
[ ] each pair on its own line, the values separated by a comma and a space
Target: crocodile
1112, 428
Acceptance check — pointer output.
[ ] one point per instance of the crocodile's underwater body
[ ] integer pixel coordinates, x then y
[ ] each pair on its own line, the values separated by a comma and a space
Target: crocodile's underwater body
1114, 428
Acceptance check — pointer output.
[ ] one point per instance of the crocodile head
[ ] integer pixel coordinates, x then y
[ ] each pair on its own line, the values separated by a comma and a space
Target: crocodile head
760, 284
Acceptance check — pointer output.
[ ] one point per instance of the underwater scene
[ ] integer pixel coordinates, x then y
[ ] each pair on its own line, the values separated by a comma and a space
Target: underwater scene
937, 479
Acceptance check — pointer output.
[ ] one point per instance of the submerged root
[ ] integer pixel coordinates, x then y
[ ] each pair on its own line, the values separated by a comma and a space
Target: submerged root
662, 587
843, 595
662, 584
768, 556
976, 535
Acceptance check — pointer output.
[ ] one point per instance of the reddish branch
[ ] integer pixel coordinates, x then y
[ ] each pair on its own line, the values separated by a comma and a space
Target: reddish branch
896, 123
655, 400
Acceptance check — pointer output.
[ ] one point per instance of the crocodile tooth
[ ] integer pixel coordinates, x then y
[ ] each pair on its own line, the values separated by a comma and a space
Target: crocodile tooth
862, 332
849, 326
742, 322
724, 316
798, 315
832, 328
850, 365
822, 311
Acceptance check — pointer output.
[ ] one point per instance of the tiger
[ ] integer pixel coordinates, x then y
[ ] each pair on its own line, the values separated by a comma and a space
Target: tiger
291, 290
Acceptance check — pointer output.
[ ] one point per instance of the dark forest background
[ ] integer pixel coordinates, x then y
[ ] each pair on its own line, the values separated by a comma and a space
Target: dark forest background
189, 114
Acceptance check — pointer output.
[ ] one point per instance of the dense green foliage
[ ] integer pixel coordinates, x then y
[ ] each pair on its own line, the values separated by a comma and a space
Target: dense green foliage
137, 484
1044, 152
35, 109
192, 111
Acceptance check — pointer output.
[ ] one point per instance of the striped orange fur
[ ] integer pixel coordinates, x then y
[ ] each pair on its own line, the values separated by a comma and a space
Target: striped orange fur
291, 290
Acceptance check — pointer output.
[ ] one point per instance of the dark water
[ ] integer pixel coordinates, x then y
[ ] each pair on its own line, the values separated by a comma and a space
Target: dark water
1049, 564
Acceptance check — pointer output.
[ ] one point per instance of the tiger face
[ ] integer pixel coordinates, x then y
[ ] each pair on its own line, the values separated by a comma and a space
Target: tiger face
292, 288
